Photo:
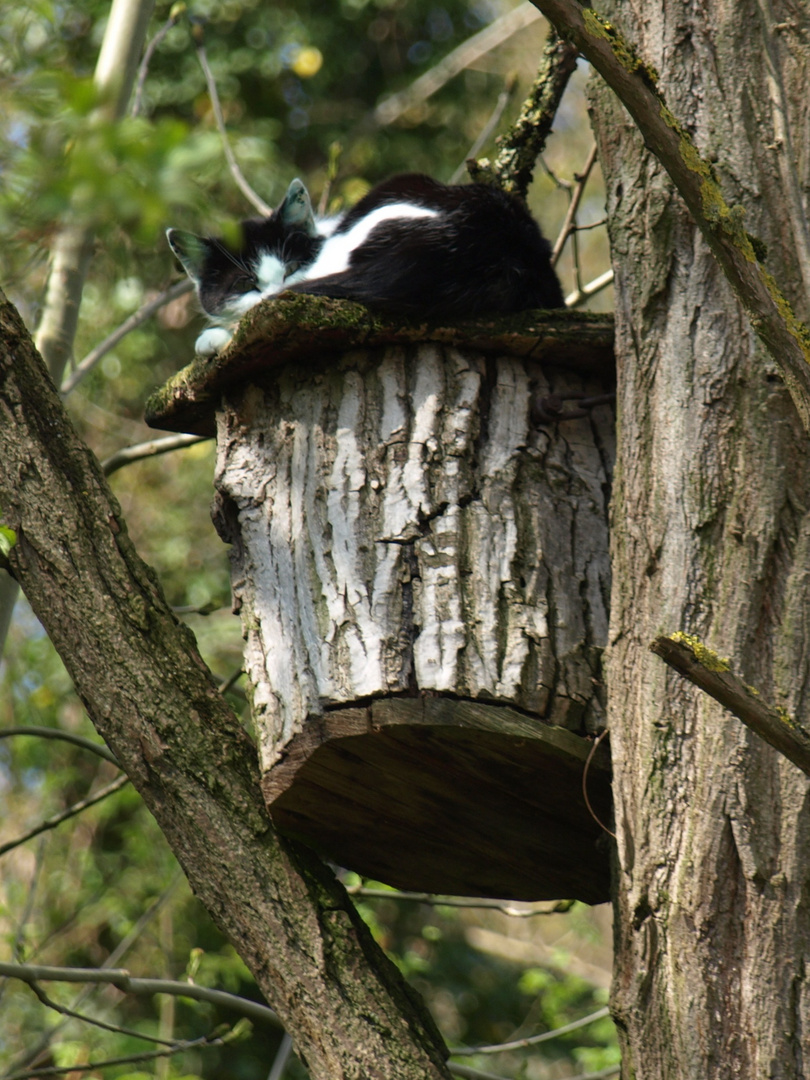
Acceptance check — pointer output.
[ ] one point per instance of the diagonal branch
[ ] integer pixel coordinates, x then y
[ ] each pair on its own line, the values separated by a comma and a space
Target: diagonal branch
692, 659
122, 980
635, 84
521, 146
65, 815
468, 52
156, 704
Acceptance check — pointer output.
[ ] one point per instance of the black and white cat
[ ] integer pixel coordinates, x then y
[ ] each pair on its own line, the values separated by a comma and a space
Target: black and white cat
412, 246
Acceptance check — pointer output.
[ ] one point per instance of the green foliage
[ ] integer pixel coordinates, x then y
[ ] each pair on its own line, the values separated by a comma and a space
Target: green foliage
481, 998
8, 538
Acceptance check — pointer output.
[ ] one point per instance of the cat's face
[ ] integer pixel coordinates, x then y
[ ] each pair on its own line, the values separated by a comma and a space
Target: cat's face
268, 254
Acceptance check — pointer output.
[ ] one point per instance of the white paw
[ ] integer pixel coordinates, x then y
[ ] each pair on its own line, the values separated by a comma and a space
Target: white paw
212, 341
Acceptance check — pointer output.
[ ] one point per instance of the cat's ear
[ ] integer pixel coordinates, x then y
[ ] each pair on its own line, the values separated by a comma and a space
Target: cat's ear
191, 250
297, 209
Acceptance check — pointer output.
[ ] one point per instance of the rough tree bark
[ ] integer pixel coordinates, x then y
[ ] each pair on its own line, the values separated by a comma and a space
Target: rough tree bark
399, 526
137, 670
711, 536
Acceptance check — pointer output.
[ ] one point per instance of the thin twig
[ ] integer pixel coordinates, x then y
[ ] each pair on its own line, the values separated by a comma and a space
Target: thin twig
712, 674
19, 936
175, 13
591, 289
255, 200
231, 681
144, 312
532, 1040
503, 100
71, 811
695, 178
65, 736
148, 449
471, 1074
471, 50
33, 1054
282, 1057
200, 609
332, 164
478, 1074
560, 907
72, 1014
122, 980
214, 1039
588, 761
576, 197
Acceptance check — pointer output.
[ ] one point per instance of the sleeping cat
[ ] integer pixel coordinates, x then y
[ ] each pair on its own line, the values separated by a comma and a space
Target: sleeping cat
412, 246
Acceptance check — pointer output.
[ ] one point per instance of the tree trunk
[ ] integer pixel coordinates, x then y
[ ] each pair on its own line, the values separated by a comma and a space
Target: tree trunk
422, 576
710, 535
350, 1013
399, 526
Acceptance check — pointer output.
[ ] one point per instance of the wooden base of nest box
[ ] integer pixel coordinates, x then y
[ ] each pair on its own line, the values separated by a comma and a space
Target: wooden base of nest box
438, 795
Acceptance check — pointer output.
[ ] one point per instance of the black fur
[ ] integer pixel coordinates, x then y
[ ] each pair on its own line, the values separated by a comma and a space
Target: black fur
476, 251
482, 254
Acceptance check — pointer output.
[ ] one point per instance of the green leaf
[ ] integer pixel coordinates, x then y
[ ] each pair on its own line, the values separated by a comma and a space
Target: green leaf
8, 538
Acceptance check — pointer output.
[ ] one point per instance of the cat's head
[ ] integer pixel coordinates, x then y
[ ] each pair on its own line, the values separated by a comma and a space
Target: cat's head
269, 254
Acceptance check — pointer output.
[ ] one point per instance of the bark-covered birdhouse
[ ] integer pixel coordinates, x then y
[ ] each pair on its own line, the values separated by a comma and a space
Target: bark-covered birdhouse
418, 525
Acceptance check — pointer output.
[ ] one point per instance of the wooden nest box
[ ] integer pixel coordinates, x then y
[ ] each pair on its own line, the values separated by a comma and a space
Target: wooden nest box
423, 579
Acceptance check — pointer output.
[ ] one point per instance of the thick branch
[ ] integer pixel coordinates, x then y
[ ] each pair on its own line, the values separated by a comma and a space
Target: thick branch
634, 83
709, 672
157, 706
520, 147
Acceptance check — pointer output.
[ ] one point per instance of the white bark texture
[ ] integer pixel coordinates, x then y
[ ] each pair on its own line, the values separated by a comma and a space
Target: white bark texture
710, 535
398, 526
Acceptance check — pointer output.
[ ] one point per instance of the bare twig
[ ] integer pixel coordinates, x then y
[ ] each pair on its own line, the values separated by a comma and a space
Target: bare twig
255, 200
634, 83
391, 108
148, 449
200, 609
65, 736
471, 1073
503, 100
282, 1057
231, 681
144, 312
215, 1039
477, 1074
532, 1040
175, 13
31, 892
122, 980
597, 741
513, 168
712, 674
579, 295
332, 164
560, 907
576, 193
72, 1014
65, 815
33, 1053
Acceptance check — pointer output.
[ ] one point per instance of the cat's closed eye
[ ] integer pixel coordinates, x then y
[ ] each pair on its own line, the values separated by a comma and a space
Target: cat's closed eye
244, 282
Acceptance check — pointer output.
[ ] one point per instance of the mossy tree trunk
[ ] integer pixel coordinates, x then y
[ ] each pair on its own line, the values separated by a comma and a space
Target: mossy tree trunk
138, 672
710, 535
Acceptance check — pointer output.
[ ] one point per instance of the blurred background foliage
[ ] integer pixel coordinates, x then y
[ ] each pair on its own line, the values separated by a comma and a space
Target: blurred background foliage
299, 81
